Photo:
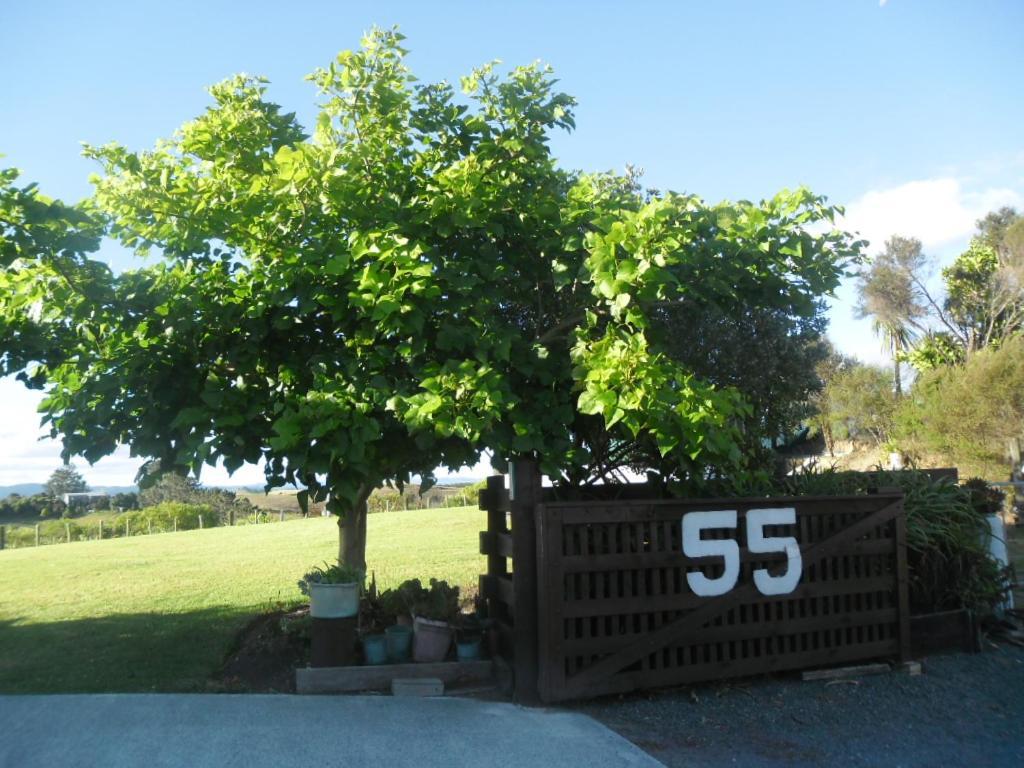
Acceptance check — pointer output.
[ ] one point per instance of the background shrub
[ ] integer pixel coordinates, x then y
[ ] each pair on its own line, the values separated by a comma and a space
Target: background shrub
948, 560
968, 414
163, 517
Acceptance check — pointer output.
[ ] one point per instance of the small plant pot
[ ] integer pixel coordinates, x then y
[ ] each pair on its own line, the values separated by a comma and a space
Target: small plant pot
375, 650
399, 643
431, 639
333, 601
468, 650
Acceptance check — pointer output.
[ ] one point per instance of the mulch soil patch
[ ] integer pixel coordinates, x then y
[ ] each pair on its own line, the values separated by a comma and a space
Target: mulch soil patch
266, 653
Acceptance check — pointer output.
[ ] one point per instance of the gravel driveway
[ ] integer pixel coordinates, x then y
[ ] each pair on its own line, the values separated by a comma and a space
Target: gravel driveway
965, 710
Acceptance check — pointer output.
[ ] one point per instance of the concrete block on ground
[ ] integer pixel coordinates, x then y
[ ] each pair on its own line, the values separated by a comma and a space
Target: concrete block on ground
912, 668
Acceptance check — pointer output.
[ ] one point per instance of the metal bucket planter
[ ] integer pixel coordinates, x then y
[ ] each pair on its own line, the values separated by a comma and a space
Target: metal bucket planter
399, 643
333, 601
468, 649
375, 650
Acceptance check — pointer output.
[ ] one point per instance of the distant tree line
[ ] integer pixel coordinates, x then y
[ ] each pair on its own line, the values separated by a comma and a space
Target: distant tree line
169, 489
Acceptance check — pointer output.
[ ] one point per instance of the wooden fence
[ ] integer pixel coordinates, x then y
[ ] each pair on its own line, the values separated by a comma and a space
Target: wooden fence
608, 595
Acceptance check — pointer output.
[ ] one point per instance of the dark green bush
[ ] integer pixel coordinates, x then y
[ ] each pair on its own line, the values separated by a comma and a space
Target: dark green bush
949, 565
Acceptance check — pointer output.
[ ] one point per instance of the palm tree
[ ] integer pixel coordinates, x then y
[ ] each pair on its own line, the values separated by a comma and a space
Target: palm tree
889, 294
896, 338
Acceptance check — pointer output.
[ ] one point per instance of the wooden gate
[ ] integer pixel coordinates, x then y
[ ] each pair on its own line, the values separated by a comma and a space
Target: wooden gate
617, 611
607, 599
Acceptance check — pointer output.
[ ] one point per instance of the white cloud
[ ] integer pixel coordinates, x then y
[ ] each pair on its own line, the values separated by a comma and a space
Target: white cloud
940, 212
936, 211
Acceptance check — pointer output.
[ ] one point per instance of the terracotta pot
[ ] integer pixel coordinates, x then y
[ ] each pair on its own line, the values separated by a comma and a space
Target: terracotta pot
431, 639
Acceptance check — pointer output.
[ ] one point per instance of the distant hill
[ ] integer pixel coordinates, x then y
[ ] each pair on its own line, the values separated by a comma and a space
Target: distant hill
29, 489
25, 489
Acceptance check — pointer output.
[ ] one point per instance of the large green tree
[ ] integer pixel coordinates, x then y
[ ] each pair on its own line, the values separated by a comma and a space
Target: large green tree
768, 355
411, 282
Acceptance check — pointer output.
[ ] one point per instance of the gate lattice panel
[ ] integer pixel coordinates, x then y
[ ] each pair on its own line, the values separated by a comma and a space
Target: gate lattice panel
616, 612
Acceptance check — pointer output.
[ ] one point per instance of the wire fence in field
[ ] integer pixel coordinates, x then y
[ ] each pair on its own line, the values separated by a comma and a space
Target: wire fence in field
135, 523
168, 517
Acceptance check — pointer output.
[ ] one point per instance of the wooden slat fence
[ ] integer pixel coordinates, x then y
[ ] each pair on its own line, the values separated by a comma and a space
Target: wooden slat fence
601, 602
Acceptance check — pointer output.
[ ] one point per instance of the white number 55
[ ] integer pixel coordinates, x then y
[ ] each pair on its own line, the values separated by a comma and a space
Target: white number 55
729, 550
759, 544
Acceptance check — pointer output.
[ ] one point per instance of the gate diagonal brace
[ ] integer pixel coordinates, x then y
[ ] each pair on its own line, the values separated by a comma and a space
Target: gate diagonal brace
689, 626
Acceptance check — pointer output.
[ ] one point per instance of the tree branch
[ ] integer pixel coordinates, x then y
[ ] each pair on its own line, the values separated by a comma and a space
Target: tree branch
935, 306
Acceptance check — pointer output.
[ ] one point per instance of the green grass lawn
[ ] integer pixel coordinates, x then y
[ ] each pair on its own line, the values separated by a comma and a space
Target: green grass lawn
159, 613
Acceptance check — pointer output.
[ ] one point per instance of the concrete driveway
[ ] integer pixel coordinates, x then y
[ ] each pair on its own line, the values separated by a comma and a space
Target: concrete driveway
250, 731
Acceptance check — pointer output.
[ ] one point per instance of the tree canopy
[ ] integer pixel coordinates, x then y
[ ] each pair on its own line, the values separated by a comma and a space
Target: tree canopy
411, 281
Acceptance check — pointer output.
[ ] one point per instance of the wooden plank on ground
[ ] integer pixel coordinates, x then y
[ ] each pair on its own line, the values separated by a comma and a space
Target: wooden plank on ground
371, 678
845, 673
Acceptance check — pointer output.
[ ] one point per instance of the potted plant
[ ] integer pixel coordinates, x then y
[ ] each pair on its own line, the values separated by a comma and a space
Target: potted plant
469, 631
333, 591
398, 605
432, 622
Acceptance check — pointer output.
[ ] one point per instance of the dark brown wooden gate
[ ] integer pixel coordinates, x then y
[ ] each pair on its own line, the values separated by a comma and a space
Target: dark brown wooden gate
601, 603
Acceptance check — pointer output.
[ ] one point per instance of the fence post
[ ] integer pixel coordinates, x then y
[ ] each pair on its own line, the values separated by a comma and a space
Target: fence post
524, 496
282, 516
231, 516
175, 525
101, 530
200, 522
149, 524
127, 528
37, 534
67, 531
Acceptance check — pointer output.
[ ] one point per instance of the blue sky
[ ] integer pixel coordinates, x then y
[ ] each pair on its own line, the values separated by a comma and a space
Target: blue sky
909, 113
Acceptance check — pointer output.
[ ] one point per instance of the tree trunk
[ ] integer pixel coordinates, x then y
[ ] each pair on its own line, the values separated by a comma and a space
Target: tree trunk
352, 532
894, 349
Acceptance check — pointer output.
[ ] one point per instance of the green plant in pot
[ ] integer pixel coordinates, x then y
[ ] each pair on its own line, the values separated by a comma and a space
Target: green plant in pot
395, 607
333, 591
400, 603
432, 623
469, 632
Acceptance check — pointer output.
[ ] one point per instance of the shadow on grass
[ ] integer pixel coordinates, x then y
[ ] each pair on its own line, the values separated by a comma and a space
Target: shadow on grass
118, 653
